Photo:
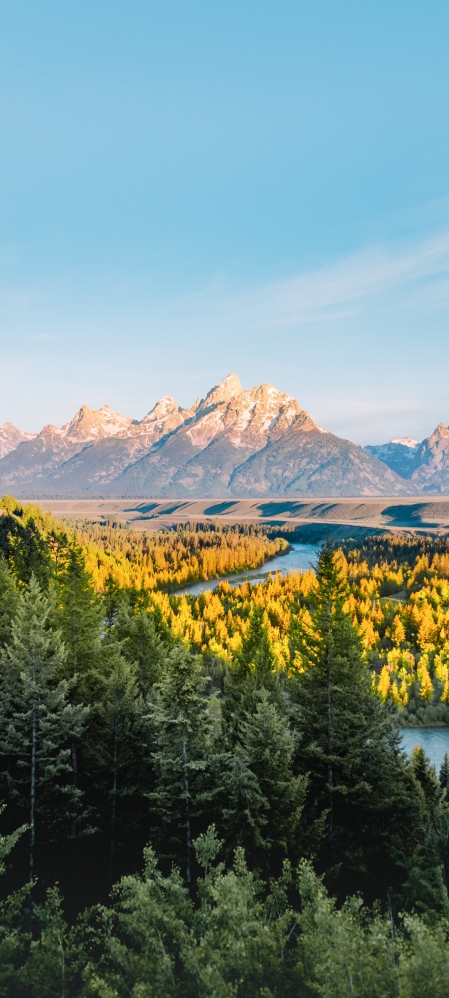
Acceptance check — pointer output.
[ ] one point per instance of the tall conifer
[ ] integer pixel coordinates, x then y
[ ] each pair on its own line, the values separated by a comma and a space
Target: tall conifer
142, 645
79, 614
184, 721
37, 724
444, 774
361, 792
254, 668
9, 600
268, 745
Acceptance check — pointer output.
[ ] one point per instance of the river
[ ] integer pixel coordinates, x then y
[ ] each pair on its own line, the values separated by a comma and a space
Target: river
300, 558
434, 741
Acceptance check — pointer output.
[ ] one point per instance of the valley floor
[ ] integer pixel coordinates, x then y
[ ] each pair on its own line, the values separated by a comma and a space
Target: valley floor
330, 515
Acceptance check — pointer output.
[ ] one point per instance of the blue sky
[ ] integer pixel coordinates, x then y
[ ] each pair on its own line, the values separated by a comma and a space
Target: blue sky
189, 188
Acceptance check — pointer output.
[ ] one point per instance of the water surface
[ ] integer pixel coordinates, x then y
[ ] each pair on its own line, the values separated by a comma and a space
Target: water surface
434, 741
300, 558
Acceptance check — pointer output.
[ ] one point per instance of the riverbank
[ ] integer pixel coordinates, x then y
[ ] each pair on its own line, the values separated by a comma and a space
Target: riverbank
436, 724
298, 558
226, 576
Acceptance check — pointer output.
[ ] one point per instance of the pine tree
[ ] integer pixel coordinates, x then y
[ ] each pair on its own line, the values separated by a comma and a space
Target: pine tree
361, 792
119, 763
79, 615
444, 774
253, 669
240, 809
113, 599
142, 645
37, 724
25, 541
184, 722
425, 886
143, 945
268, 745
160, 625
9, 600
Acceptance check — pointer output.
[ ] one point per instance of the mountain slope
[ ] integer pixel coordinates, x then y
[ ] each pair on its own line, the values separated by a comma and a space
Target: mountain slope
201, 457
99, 463
425, 463
308, 462
399, 454
38, 457
235, 442
432, 462
11, 437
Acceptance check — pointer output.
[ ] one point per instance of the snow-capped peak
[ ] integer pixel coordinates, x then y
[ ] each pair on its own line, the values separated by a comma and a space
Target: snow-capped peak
405, 441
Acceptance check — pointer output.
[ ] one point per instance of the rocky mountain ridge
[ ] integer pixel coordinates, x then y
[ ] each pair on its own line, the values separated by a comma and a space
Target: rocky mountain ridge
234, 442
423, 463
400, 454
11, 437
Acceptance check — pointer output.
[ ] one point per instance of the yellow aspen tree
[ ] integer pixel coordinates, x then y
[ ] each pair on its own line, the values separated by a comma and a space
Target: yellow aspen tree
397, 631
384, 683
426, 685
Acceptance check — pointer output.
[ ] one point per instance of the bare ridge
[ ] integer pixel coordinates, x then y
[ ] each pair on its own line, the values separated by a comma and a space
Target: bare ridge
223, 392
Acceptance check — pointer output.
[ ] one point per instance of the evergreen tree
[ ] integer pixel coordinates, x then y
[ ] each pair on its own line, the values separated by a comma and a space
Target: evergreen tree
9, 600
118, 760
444, 774
253, 669
26, 539
340, 951
269, 746
114, 597
140, 945
37, 724
239, 806
361, 792
155, 942
160, 625
184, 721
427, 864
79, 616
142, 645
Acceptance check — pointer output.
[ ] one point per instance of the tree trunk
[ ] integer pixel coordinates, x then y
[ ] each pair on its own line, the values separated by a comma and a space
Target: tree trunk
114, 795
187, 793
33, 793
330, 745
74, 756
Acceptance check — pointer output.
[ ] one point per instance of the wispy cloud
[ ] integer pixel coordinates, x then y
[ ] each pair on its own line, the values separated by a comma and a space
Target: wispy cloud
332, 292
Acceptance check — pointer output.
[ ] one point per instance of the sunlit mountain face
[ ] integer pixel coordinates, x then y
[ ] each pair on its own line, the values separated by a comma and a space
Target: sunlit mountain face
234, 442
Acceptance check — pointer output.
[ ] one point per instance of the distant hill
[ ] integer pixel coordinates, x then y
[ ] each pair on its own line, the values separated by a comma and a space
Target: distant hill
233, 443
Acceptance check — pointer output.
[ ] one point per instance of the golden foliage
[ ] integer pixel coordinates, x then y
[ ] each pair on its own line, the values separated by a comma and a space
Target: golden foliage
171, 559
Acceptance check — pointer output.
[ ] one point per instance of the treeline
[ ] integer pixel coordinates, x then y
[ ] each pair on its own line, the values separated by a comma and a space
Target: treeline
252, 778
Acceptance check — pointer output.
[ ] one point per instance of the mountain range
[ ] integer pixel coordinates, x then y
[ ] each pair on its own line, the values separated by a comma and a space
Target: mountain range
422, 463
256, 442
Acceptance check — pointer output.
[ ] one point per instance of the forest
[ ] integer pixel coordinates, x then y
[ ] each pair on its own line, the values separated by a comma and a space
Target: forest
161, 560
206, 795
